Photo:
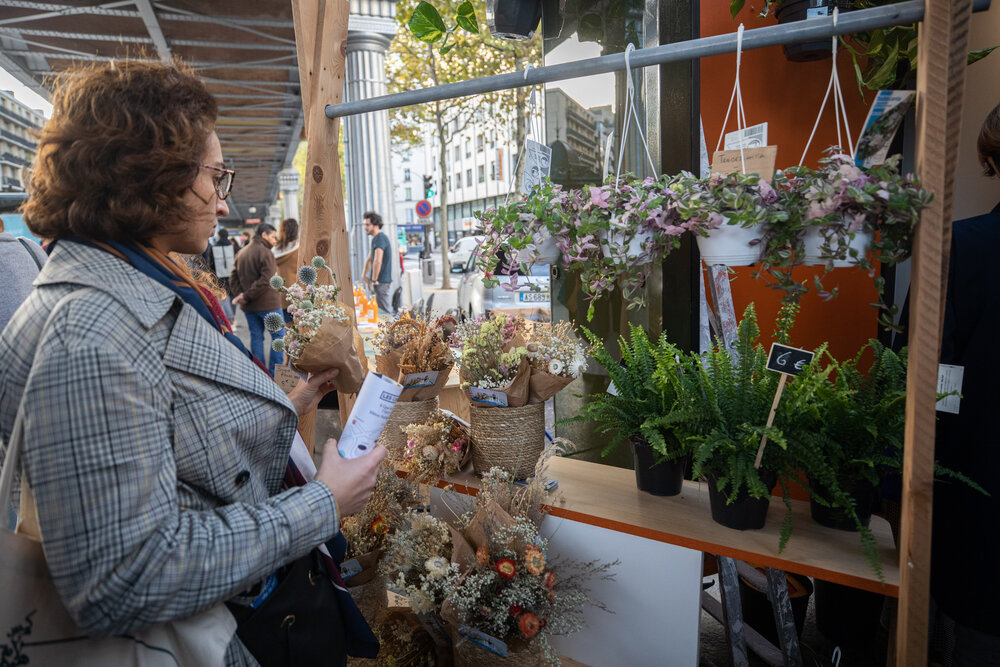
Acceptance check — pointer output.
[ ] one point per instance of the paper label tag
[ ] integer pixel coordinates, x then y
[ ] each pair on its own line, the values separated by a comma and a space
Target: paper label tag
349, 568
818, 12
612, 389
537, 163
754, 136
758, 161
286, 377
488, 396
396, 599
483, 640
950, 380
417, 380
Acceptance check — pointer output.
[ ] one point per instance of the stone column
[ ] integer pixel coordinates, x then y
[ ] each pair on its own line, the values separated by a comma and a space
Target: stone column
288, 183
366, 136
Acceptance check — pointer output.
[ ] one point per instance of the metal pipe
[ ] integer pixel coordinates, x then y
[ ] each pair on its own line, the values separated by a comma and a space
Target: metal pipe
861, 20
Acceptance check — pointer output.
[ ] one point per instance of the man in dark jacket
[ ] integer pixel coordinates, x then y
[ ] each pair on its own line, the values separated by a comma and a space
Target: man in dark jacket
250, 282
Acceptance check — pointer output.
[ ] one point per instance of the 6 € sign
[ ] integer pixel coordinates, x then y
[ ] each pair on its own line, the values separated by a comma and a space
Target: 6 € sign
788, 360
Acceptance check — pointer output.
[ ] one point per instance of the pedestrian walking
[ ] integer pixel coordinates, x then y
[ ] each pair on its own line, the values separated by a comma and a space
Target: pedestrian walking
377, 273
251, 283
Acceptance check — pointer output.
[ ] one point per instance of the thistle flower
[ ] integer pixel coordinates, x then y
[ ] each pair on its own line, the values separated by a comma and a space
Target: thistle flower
318, 262
274, 322
277, 282
278, 345
307, 305
307, 275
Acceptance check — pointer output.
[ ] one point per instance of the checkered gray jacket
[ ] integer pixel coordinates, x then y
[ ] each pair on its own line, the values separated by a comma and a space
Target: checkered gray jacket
155, 449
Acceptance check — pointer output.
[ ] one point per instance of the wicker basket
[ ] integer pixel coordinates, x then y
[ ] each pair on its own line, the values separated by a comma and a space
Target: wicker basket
467, 654
404, 414
509, 438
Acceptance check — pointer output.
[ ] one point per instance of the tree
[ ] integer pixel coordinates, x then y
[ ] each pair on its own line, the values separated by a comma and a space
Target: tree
414, 64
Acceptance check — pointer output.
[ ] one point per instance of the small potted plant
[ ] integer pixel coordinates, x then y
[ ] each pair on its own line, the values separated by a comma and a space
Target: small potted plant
635, 405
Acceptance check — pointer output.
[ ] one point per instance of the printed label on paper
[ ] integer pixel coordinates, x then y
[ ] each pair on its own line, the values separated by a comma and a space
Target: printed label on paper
488, 397
754, 136
884, 118
417, 380
483, 640
349, 568
950, 382
537, 163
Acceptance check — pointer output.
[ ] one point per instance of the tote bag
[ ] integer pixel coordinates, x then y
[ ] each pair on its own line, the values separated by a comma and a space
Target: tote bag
36, 629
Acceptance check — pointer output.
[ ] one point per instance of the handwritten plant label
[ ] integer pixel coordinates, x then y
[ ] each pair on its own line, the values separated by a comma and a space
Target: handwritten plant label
286, 377
483, 640
748, 161
396, 599
417, 380
488, 397
788, 360
950, 382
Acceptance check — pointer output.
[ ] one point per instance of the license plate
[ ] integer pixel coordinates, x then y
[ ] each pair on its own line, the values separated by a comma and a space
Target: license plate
535, 297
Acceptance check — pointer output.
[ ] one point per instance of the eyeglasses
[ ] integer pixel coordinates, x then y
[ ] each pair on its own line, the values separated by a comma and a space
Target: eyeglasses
224, 182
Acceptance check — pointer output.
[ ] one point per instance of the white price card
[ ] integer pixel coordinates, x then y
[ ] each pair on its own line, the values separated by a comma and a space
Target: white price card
950, 382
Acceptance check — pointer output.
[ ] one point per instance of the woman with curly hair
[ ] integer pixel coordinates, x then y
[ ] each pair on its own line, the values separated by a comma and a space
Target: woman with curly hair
156, 448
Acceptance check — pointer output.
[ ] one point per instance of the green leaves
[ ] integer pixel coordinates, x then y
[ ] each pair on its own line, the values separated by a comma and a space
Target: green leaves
427, 25
976, 56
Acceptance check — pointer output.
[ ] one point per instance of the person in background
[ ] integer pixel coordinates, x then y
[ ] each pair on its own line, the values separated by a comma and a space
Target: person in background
154, 445
250, 281
219, 257
286, 255
965, 550
377, 273
244, 239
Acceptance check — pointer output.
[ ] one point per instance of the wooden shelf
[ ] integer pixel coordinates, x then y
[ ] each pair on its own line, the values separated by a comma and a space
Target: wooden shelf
607, 497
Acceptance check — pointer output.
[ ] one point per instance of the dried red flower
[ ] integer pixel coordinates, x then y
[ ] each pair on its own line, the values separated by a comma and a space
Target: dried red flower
529, 625
482, 556
516, 610
380, 526
549, 579
506, 568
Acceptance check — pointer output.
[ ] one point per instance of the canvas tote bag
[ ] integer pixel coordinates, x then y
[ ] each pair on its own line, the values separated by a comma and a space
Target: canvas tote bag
36, 629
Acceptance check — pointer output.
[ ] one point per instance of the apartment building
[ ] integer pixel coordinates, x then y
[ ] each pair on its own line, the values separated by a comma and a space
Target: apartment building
17, 142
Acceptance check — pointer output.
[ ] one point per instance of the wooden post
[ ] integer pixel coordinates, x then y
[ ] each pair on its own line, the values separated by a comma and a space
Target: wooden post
321, 43
941, 66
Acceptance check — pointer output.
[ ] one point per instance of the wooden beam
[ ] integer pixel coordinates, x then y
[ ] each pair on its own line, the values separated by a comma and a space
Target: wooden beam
321, 43
944, 36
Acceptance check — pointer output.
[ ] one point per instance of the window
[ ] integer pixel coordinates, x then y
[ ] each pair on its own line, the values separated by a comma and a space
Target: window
409, 193
449, 182
468, 177
458, 180
493, 171
409, 216
458, 153
406, 176
482, 174
480, 144
468, 147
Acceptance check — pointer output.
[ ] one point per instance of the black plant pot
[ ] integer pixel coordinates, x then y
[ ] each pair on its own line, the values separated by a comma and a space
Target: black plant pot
846, 615
513, 19
800, 10
660, 479
745, 513
863, 494
758, 613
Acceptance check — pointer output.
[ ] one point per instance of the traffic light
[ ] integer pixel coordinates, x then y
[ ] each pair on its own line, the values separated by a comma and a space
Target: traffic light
428, 187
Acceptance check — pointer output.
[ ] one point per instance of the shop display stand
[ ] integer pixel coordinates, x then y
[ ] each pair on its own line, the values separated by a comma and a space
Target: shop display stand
321, 36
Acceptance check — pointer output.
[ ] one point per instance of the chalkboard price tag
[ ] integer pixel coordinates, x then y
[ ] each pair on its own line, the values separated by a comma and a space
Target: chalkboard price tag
788, 360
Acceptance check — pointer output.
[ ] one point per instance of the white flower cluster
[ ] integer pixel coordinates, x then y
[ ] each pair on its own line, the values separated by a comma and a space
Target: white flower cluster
553, 348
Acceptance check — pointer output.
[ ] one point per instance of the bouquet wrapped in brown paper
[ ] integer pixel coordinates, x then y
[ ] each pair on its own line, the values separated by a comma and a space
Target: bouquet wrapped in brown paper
414, 351
321, 334
556, 356
437, 446
494, 362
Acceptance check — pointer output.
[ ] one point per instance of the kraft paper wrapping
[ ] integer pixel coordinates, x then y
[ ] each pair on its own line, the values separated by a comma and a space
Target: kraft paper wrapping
542, 385
335, 346
369, 565
486, 522
388, 364
425, 393
461, 552
516, 391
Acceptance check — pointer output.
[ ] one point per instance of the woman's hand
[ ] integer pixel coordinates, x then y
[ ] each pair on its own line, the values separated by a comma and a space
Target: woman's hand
308, 393
350, 480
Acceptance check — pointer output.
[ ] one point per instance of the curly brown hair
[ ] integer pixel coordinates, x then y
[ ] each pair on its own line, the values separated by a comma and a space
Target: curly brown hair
124, 142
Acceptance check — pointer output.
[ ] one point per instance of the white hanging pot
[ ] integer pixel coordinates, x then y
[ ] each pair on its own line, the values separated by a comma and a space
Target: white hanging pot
861, 242
730, 245
548, 251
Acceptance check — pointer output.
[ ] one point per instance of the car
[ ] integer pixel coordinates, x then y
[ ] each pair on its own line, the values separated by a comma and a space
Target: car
532, 298
461, 251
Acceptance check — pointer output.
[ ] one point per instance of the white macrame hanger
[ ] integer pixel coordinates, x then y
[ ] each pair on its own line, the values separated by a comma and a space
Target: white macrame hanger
630, 113
741, 119
839, 108
527, 133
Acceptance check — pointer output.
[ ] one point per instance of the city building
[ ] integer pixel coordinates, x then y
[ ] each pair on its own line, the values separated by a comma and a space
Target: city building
567, 121
17, 142
408, 170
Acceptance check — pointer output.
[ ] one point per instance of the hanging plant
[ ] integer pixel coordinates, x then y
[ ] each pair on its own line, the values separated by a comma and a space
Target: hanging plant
427, 25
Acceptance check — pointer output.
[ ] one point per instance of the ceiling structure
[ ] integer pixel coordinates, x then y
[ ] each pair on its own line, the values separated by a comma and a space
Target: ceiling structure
244, 50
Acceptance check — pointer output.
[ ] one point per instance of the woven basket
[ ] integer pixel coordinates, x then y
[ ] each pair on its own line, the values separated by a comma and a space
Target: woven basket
404, 414
467, 654
509, 438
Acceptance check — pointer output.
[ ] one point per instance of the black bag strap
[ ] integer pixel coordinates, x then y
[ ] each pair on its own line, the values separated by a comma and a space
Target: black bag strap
27, 247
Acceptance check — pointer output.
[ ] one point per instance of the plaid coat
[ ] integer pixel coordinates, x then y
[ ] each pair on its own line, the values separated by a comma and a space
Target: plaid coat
154, 448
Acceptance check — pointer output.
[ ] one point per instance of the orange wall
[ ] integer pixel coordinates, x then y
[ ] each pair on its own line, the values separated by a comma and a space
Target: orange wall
787, 96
